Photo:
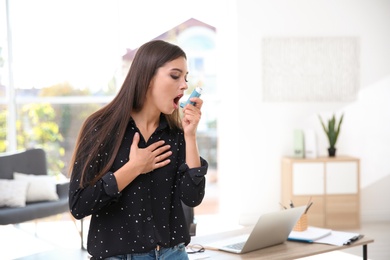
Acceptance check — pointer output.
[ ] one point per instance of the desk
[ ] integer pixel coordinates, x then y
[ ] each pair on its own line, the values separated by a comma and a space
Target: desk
287, 250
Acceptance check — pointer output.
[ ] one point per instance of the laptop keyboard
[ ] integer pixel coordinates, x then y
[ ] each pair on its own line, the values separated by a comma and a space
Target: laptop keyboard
237, 246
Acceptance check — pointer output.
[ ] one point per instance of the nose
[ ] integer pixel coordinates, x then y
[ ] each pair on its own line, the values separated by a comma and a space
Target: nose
184, 85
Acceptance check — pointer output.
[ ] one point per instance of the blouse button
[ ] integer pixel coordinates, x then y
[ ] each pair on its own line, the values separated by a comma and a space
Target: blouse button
149, 218
152, 241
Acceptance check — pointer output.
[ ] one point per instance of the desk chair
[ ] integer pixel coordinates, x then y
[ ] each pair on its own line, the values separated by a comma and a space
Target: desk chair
190, 219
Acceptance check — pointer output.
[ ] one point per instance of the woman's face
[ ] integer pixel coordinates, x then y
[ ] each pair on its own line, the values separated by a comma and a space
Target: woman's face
168, 86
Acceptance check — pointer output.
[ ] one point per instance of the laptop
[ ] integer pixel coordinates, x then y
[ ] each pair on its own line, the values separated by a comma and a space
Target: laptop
271, 229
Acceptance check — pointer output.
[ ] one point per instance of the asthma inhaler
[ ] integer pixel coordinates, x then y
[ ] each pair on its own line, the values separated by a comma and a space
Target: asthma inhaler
196, 93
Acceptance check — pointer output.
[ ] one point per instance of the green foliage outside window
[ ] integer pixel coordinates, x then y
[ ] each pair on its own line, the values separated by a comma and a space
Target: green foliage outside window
3, 130
36, 127
39, 129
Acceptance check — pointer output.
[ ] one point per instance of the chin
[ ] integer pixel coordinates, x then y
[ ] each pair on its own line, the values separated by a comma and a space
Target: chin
168, 111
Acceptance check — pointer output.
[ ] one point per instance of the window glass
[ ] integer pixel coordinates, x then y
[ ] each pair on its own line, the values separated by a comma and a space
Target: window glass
65, 42
3, 51
3, 128
53, 127
70, 58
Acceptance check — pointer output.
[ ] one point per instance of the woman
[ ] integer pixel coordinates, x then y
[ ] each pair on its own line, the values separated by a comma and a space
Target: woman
136, 160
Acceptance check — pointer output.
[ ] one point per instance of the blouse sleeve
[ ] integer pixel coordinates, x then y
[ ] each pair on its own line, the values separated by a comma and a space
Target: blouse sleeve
192, 183
90, 199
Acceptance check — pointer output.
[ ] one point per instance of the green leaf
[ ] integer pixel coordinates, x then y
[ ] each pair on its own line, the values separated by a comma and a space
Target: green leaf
333, 130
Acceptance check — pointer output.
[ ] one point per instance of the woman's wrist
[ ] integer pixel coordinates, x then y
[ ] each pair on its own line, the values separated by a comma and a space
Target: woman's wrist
189, 137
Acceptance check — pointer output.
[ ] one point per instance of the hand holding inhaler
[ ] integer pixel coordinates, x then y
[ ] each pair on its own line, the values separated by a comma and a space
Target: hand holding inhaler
196, 93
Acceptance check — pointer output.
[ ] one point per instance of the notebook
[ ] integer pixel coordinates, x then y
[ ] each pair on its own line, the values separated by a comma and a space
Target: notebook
271, 229
310, 235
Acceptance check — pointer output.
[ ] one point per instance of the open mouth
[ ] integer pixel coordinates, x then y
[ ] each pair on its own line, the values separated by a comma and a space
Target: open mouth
176, 100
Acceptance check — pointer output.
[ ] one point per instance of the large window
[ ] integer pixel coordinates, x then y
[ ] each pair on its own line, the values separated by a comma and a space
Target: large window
3, 76
62, 60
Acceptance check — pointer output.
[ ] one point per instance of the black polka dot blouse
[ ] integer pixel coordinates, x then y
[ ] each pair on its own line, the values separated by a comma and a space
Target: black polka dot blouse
148, 212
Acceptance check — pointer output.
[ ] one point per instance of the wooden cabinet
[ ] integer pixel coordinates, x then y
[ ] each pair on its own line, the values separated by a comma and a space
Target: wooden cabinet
332, 183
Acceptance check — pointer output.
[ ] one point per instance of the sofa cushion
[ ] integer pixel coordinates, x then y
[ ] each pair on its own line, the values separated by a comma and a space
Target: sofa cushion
40, 187
13, 193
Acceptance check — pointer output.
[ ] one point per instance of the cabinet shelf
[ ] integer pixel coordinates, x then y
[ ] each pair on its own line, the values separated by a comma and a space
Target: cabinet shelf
332, 183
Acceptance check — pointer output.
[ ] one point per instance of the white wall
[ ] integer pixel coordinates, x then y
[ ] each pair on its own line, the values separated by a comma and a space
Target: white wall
255, 135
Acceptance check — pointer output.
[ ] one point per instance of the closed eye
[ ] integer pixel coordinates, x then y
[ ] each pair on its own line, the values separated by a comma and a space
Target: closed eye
177, 77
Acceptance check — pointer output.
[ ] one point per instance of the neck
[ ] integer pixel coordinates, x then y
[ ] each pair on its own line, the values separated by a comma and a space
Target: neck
146, 122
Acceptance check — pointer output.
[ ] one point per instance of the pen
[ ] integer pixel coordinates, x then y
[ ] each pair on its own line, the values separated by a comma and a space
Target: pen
282, 205
309, 201
308, 207
353, 239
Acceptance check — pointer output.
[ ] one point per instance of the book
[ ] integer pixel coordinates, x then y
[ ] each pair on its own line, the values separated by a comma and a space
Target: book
310, 235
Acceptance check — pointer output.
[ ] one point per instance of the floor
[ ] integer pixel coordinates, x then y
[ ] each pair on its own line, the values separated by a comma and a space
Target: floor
58, 238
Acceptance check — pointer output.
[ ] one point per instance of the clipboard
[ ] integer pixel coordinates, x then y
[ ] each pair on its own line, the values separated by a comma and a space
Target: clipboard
325, 236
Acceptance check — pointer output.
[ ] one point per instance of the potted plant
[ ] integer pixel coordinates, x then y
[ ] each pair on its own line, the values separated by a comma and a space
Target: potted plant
332, 132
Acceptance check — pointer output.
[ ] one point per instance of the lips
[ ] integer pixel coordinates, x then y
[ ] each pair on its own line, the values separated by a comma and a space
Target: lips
176, 100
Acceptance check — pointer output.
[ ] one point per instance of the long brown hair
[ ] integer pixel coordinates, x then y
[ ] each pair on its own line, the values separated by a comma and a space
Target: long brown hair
102, 132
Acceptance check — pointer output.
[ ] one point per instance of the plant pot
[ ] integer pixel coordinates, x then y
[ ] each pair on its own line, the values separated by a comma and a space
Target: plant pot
332, 152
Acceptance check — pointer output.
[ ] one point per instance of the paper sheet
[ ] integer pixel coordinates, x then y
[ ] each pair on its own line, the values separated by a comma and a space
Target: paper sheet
198, 256
337, 238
